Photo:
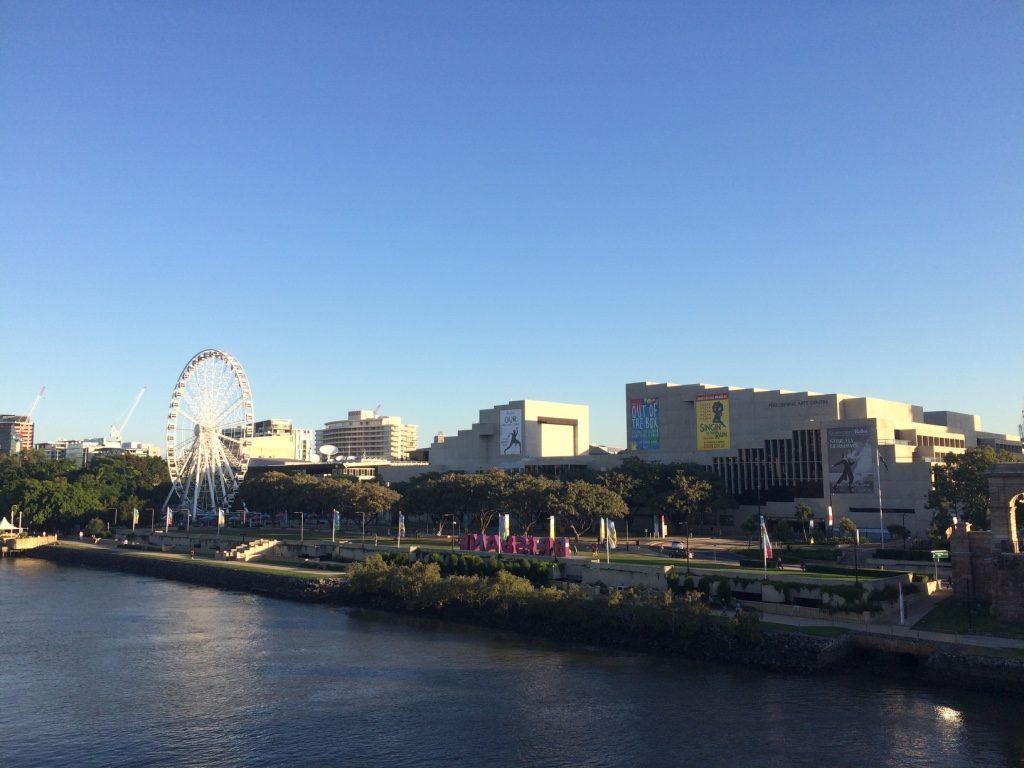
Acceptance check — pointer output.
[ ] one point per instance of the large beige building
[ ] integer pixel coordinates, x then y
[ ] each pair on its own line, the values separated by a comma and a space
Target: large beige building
513, 435
776, 448
278, 439
366, 435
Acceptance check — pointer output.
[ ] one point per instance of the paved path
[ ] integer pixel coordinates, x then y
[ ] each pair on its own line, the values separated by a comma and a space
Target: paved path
890, 626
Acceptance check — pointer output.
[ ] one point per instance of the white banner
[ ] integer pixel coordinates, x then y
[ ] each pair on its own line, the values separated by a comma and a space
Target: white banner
511, 434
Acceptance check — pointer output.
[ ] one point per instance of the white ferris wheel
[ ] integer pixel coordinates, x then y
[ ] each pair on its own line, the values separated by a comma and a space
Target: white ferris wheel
209, 432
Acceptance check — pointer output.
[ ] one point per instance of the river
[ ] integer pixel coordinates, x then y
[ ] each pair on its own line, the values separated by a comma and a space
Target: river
108, 669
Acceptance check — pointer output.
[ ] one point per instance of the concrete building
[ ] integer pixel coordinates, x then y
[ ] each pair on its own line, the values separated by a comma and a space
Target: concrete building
80, 452
514, 435
366, 435
17, 433
278, 439
777, 448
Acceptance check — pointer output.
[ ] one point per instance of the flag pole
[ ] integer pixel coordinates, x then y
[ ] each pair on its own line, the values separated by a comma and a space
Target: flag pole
878, 480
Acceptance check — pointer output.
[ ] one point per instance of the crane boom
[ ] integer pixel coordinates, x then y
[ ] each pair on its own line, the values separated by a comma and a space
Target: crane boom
35, 403
116, 432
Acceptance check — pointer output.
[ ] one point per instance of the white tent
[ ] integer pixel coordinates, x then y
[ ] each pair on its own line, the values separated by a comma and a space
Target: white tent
6, 526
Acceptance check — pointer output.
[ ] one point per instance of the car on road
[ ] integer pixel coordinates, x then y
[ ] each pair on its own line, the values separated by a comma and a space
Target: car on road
678, 549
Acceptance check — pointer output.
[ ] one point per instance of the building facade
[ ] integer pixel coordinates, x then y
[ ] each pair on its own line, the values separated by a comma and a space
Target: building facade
365, 435
513, 435
278, 439
840, 454
17, 433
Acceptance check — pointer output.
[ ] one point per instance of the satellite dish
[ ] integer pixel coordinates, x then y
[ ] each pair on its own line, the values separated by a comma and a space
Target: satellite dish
327, 451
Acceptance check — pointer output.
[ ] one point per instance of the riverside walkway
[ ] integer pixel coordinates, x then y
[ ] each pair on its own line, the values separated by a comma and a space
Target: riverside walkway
887, 626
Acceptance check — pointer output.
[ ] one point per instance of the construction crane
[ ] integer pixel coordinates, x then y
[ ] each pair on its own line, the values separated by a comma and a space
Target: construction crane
116, 432
35, 404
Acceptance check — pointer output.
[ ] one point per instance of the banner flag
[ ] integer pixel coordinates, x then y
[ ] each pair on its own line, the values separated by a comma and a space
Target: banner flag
337, 520
220, 517
551, 527
401, 524
169, 518
766, 543
135, 517
612, 537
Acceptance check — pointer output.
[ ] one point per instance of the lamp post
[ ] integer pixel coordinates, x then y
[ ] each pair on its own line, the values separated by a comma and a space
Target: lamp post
453, 532
856, 546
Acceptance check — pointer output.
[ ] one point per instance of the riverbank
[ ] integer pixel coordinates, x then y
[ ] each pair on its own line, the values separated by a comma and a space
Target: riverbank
638, 627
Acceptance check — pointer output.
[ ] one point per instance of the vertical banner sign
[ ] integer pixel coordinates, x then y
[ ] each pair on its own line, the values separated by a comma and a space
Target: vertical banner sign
644, 424
713, 422
511, 434
851, 460
168, 518
401, 524
612, 536
551, 526
337, 520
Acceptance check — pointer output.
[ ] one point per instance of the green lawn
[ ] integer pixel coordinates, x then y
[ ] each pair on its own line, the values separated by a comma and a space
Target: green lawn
960, 617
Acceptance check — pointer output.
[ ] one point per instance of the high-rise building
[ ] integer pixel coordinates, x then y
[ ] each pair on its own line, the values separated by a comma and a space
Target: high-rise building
366, 435
17, 433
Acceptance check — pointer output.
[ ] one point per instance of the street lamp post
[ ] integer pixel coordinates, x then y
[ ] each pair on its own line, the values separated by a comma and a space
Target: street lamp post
453, 532
856, 546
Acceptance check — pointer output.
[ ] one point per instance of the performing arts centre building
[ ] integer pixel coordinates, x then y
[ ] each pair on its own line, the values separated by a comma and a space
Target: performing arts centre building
775, 448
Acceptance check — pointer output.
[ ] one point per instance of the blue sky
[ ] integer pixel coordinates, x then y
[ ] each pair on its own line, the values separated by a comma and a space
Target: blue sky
439, 207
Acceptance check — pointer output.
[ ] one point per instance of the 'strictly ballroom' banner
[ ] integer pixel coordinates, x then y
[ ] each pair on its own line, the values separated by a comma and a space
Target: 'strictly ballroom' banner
851, 460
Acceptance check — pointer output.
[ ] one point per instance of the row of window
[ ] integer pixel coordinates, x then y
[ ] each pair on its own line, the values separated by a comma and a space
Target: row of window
782, 470
945, 442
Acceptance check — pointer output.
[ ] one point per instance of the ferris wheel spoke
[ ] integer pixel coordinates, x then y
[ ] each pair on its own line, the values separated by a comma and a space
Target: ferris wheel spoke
187, 415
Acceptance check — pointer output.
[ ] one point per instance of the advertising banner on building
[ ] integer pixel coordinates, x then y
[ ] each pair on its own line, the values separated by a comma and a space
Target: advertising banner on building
644, 424
511, 432
713, 422
851, 460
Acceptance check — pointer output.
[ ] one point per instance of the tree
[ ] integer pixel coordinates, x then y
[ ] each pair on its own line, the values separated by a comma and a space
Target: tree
59, 505
960, 487
804, 514
578, 504
847, 527
437, 497
686, 493
527, 499
485, 496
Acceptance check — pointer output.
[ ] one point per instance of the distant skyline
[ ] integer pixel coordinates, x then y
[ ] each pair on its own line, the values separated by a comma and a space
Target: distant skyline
442, 207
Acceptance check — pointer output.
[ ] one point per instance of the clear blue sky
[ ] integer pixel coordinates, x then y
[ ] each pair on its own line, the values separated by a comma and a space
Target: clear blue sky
442, 206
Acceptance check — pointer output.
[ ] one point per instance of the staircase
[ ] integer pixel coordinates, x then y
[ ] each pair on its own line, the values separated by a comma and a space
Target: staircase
250, 549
